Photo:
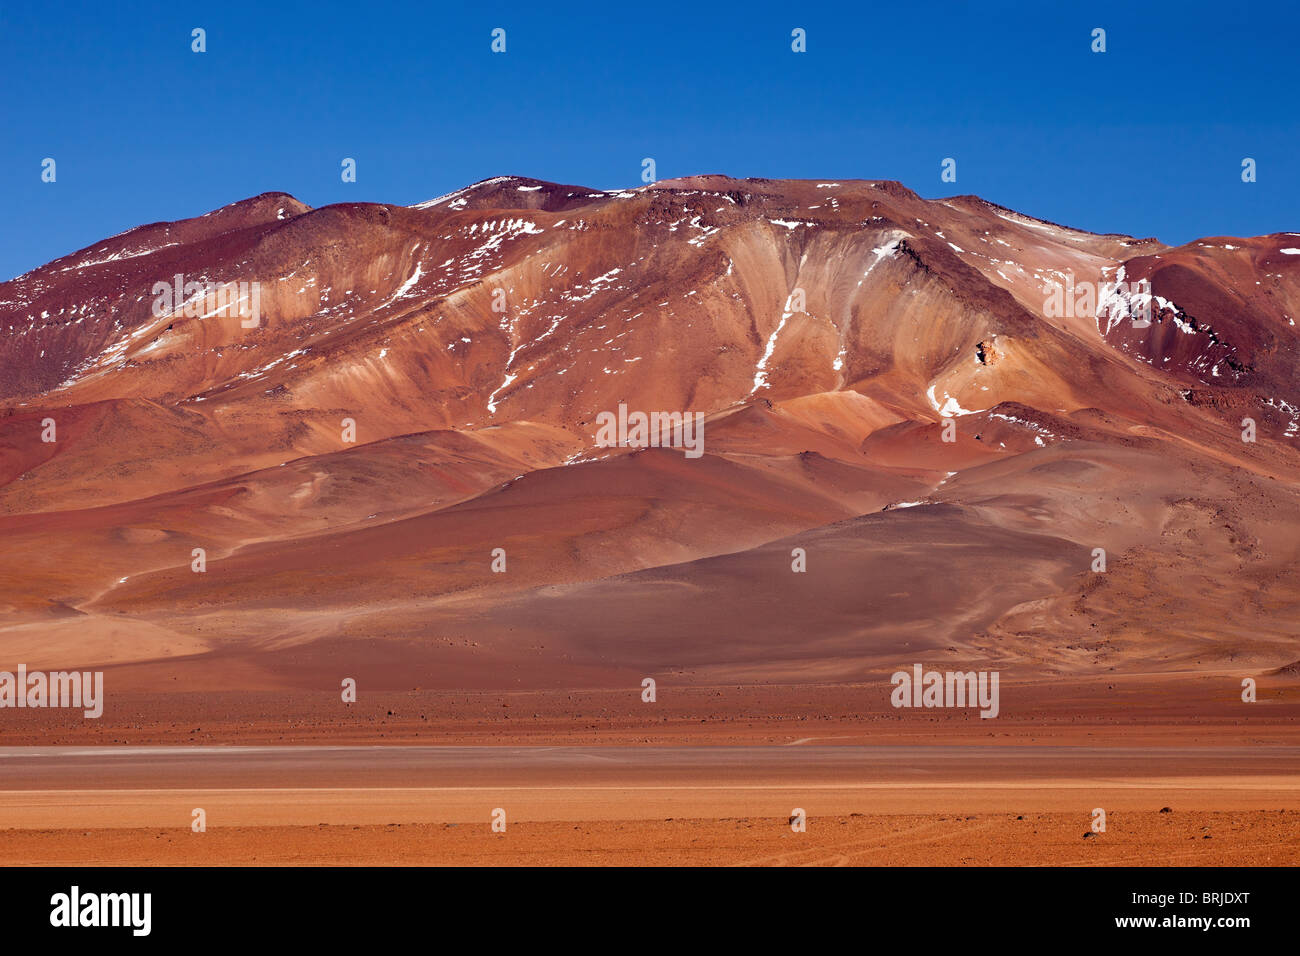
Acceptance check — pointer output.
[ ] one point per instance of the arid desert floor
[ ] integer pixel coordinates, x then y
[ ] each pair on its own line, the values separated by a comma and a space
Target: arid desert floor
679, 790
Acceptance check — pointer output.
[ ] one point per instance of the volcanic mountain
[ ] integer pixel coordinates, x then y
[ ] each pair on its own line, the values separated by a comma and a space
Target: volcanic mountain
908, 452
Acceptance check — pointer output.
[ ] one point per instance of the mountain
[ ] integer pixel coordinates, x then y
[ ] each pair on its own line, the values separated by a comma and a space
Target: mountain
915, 392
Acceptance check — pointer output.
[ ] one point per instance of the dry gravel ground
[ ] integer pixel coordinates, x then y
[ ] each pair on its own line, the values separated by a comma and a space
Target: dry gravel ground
1139, 838
943, 803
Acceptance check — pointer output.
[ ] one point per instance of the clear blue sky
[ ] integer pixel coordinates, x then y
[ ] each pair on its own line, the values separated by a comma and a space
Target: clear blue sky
1145, 139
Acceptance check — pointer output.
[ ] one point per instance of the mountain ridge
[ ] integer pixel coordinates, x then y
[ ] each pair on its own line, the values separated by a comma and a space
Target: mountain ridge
856, 352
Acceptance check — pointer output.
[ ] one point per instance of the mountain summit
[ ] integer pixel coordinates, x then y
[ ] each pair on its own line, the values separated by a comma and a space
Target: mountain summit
953, 409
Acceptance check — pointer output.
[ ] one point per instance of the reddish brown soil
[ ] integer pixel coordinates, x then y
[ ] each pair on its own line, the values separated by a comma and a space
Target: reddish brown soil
1222, 838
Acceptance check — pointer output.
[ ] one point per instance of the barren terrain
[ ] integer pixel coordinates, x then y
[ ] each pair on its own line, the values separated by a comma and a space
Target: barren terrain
909, 455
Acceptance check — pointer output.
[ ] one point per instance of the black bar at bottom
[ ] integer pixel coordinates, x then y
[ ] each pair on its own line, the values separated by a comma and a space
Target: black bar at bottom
638, 907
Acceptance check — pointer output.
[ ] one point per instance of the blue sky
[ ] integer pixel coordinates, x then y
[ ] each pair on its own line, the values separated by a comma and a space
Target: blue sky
1145, 139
